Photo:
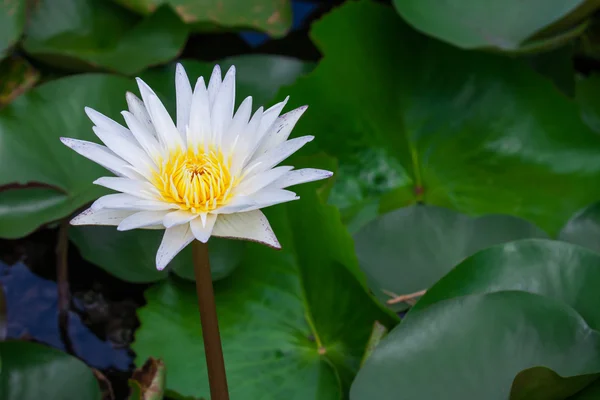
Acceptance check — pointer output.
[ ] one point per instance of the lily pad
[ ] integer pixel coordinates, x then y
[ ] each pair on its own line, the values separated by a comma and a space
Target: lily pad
409, 249
35, 371
475, 345
73, 34
131, 255
502, 24
32, 154
294, 323
584, 228
540, 383
461, 124
12, 20
270, 16
555, 269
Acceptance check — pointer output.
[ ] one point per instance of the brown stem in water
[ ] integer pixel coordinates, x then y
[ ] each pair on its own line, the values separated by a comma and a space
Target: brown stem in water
215, 364
62, 280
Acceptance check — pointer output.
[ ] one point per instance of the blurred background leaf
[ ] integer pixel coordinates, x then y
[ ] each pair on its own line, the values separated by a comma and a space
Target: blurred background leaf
16, 77
80, 34
502, 24
271, 16
35, 371
584, 228
12, 21
408, 250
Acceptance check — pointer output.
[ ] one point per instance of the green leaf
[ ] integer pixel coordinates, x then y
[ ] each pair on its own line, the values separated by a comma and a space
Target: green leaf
271, 16
79, 34
461, 124
259, 76
540, 383
35, 371
409, 249
474, 346
555, 269
148, 382
588, 97
294, 323
584, 228
592, 392
16, 77
12, 21
502, 24
30, 128
131, 255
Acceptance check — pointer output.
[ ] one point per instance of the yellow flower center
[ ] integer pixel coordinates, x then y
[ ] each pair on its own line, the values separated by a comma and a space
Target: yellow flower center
195, 181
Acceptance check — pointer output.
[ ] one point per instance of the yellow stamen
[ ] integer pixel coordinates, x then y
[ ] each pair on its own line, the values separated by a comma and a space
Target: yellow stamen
198, 181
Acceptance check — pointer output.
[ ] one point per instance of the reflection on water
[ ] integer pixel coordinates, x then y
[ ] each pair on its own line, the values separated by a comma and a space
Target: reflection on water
33, 311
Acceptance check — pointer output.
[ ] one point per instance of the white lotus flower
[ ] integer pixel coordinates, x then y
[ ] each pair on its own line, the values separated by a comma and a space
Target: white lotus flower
208, 175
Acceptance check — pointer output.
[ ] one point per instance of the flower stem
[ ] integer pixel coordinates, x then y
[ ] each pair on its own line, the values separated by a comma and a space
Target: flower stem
210, 324
62, 282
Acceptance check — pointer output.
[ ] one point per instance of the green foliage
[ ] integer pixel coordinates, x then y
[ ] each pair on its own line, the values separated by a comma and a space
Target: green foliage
465, 136
408, 250
35, 371
73, 34
502, 24
463, 125
271, 16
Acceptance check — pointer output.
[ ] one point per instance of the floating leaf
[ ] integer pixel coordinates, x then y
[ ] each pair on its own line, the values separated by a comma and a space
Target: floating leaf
271, 16
74, 33
502, 24
409, 249
540, 383
12, 20
295, 321
35, 371
475, 345
461, 124
584, 228
555, 269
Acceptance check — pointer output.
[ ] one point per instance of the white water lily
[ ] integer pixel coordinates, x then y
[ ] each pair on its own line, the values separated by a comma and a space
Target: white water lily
207, 175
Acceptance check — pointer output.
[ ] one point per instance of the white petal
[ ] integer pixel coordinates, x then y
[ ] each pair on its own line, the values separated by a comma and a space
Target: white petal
270, 197
128, 202
146, 92
203, 229
246, 142
139, 110
199, 128
280, 130
102, 156
270, 116
256, 182
100, 217
143, 219
278, 154
174, 240
145, 138
214, 84
130, 186
238, 125
183, 92
178, 217
300, 176
128, 151
107, 124
251, 225
165, 128
236, 204
222, 108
